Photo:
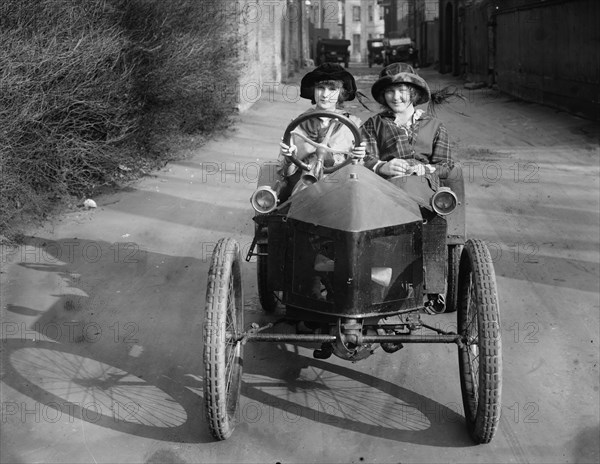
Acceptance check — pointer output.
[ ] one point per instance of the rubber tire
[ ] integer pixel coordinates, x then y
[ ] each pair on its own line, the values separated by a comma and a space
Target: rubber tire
478, 303
454, 252
224, 314
266, 295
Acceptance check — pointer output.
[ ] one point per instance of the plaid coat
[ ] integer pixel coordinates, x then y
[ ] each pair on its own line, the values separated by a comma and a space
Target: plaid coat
424, 140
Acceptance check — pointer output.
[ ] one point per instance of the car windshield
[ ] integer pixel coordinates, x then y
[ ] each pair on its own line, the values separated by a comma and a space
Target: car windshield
396, 42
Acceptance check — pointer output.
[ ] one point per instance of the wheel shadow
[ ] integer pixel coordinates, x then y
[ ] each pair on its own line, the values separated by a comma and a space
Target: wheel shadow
106, 351
66, 381
339, 396
109, 305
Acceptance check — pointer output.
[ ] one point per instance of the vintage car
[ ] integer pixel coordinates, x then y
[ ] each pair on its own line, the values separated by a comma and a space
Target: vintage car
375, 51
333, 51
399, 50
357, 277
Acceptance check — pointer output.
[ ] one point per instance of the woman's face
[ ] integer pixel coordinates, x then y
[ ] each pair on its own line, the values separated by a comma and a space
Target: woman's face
326, 96
398, 98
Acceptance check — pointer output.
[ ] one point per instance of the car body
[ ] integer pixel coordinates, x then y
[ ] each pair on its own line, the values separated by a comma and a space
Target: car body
399, 50
375, 48
333, 51
356, 260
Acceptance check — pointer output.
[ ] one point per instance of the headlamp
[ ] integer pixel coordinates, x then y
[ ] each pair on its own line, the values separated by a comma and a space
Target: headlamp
264, 200
444, 201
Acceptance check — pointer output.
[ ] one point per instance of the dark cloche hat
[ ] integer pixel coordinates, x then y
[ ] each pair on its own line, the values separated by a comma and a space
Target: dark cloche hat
327, 72
400, 73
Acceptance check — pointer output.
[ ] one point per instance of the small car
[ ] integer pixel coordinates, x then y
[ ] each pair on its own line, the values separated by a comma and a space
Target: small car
333, 51
357, 277
400, 50
375, 51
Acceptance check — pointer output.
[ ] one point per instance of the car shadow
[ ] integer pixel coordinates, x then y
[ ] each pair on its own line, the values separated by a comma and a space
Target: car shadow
301, 387
121, 347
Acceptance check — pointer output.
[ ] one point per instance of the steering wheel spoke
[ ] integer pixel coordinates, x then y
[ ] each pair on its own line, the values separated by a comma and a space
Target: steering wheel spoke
320, 114
319, 145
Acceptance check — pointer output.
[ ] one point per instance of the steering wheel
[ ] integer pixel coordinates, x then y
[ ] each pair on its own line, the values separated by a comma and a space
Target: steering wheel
289, 131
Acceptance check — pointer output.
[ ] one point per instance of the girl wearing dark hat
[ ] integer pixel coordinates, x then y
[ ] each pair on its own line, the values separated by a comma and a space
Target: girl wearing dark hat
328, 86
402, 140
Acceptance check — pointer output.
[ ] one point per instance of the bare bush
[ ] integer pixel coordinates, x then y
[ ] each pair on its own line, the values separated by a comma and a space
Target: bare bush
186, 65
88, 86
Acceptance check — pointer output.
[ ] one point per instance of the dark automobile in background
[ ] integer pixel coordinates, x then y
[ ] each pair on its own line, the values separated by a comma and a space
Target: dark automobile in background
333, 51
375, 49
401, 50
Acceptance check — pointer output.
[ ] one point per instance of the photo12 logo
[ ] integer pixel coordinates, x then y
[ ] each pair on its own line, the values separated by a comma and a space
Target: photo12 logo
70, 332
72, 251
54, 411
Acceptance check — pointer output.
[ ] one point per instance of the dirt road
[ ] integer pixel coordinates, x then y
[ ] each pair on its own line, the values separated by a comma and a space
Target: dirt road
102, 313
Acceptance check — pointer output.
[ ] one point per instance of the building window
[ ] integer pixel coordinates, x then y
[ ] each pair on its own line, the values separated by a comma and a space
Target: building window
380, 12
356, 13
370, 13
356, 43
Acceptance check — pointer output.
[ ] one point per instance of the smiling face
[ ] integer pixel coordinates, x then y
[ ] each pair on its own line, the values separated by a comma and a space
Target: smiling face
327, 95
400, 97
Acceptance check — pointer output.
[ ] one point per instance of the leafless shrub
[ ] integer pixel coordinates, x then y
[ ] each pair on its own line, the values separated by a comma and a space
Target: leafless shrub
88, 86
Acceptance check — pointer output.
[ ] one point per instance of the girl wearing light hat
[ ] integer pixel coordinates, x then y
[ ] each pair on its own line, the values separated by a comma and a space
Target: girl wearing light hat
401, 140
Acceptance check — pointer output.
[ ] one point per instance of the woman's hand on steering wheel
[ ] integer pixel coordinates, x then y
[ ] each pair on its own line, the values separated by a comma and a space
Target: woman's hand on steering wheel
287, 150
359, 151
323, 145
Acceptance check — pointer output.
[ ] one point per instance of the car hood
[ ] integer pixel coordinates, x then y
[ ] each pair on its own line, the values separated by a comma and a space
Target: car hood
354, 199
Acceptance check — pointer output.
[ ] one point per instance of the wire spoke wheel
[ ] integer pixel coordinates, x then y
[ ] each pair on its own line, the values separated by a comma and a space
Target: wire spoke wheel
480, 355
222, 329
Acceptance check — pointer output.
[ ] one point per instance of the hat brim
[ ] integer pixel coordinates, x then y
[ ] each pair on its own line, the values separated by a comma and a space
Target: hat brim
402, 78
307, 85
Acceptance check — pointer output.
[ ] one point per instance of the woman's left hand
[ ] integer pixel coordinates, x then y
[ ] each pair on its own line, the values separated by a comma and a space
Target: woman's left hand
417, 169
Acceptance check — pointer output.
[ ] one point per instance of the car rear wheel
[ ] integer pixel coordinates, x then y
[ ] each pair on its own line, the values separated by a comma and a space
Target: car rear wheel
222, 329
479, 355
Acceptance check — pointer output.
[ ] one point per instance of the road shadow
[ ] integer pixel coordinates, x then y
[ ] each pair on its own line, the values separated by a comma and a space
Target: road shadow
68, 383
120, 346
287, 385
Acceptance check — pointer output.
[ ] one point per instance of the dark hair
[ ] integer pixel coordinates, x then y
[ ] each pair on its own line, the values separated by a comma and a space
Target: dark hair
415, 93
338, 85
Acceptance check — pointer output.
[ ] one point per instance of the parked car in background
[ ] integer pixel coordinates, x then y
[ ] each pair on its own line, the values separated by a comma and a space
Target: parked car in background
401, 50
375, 48
333, 51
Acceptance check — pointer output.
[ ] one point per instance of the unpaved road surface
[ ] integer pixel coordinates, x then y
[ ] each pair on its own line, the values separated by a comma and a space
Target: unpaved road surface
102, 313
